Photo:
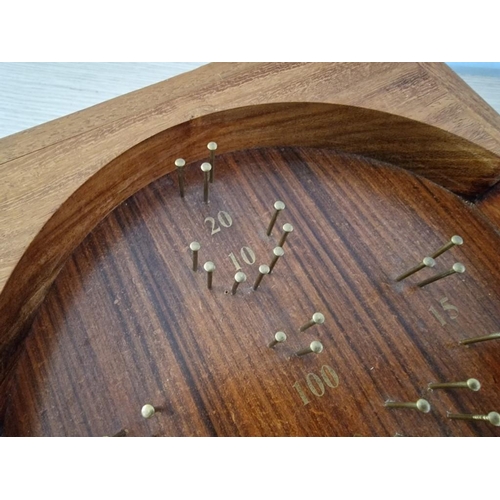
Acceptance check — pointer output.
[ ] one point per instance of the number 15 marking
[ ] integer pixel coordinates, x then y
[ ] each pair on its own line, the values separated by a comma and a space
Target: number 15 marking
450, 309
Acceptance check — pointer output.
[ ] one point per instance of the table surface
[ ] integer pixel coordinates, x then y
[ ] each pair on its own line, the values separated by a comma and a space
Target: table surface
35, 93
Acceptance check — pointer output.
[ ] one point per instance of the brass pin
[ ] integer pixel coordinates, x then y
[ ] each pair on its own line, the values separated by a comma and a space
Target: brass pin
279, 337
287, 229
421, 405
473, 340
455, 240
195, 247
147, 411
472, 384
239, 277
427, 262
314, 347
278, 207
493, 417
262, 271
209, 268
179, 163
317, 319
457, 268
206, 168
212, 146
277, 252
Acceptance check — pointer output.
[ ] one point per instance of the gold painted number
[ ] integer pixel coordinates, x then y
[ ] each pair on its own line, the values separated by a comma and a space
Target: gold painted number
450, 309
247, 254
224, 219
316, 385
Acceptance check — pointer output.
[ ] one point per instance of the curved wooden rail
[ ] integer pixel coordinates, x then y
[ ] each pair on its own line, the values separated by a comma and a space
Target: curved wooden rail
62, 178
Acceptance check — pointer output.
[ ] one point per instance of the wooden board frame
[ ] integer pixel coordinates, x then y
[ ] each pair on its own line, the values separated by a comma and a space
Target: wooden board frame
60, 179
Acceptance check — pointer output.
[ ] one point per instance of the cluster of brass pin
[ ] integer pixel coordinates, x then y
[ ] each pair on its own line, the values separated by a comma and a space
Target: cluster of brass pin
471, 384
315, 347
207, 168
430, 262
278, 251
209, 266
424, 406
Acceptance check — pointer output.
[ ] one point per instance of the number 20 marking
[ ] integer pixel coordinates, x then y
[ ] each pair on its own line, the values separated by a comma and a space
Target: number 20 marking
315, 384
225, 220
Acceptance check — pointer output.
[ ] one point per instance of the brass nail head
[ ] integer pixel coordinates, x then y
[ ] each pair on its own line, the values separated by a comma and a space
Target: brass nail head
277, 253
147, 411
279, 337
206, 168
317, 319
239, 277
209, 268
212, 146
315, 347
278, 207
195, 247
455, 240
458, 267
287, 229
472, 384
420, 405
179, 163
492, 417
263, 270
426, 262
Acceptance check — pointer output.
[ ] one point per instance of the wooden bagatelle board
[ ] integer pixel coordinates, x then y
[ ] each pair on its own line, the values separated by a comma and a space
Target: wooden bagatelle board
61, 179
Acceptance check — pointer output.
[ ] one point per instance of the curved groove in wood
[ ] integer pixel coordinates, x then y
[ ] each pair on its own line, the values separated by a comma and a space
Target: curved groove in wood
127, 321
489, 205
104, 155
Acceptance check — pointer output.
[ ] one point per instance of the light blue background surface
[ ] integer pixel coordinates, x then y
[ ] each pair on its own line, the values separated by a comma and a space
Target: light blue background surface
35, 93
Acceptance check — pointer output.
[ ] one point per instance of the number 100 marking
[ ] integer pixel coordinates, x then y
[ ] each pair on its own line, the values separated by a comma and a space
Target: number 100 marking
315, 384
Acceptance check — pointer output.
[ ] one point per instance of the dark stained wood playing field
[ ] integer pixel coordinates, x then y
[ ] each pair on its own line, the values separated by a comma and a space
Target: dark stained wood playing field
127, 322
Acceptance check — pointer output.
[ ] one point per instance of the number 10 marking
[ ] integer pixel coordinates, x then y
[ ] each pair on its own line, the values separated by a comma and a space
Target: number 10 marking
247, 255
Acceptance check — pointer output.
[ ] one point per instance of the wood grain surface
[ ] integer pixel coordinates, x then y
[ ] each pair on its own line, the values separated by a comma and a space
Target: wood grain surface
128, 322
61, 179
